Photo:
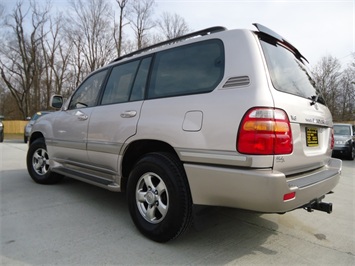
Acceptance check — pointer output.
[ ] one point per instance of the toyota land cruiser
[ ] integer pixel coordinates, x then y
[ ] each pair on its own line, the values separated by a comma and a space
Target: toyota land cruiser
216, 117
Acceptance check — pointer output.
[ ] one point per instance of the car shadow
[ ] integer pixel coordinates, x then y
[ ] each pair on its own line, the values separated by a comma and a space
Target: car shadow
215, 230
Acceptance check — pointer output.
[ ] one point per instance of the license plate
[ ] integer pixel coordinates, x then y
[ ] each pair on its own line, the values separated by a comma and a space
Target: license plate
311, 137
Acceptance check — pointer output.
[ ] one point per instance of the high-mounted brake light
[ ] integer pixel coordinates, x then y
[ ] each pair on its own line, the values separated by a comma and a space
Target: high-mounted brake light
265, 131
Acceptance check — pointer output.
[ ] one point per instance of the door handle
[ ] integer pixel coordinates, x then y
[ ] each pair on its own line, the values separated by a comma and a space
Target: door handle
81, 116
129, 114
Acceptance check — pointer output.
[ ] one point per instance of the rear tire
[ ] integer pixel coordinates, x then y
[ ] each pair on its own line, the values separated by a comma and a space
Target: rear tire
159, 197
38, 164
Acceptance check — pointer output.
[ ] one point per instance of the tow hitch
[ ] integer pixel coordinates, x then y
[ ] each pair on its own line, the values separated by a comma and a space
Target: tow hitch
317, 204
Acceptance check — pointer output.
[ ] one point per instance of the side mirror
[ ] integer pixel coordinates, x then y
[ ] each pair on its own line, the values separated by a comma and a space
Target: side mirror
56, 101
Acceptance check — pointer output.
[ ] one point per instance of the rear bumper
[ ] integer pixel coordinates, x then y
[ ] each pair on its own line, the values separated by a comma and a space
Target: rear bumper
259, 190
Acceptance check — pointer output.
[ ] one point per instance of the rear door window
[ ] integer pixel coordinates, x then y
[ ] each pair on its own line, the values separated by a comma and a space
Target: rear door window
138, 89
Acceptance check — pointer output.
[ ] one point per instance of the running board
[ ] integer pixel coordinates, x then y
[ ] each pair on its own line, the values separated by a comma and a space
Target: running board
92, 179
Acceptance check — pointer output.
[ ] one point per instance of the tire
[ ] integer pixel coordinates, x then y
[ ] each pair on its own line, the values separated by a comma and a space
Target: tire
24, 139
38, 164
2, 137
351, 153
159, 197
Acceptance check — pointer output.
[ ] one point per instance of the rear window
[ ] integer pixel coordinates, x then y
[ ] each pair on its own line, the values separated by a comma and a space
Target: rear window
189, 69
288, 73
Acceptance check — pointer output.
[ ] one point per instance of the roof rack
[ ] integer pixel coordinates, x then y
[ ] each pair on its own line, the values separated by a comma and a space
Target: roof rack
170, 41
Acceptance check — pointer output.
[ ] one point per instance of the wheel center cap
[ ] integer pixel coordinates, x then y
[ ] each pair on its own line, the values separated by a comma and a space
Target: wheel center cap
150, 197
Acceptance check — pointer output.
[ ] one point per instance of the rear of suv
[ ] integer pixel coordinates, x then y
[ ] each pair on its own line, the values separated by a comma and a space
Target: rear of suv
216, 117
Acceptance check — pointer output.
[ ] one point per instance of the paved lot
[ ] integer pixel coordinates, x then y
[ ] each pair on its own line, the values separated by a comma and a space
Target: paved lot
73, 223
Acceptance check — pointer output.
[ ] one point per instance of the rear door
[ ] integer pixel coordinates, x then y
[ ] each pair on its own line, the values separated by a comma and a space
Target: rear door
293, 91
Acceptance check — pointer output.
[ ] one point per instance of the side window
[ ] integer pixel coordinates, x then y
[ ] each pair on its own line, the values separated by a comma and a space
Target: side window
189, 69
141, 80
119, 84
86, 95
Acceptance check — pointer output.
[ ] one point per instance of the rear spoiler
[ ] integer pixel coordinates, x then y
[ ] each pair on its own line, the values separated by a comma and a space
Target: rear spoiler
279, 38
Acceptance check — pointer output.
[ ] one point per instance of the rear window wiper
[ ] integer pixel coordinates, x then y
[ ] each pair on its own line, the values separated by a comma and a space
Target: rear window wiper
316, 98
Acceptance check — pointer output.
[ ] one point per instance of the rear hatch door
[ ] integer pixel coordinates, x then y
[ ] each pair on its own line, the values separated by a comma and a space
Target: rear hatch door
293, 91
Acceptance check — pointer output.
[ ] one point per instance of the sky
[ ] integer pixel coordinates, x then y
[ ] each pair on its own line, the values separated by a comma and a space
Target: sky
317, 28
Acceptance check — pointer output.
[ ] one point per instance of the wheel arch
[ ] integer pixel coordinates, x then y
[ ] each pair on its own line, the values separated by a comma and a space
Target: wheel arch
34, 136
136, 150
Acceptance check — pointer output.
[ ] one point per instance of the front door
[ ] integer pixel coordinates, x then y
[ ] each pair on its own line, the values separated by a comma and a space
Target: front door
71, 125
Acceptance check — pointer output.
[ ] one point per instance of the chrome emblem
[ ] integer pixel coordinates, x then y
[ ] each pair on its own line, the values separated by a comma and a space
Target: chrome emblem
317, 121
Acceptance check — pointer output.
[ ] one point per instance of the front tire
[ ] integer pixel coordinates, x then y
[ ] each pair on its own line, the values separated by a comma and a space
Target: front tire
38, 164
159, 197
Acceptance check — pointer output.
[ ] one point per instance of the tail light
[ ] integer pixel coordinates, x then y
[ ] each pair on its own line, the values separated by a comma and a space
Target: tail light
265, 131
332, 139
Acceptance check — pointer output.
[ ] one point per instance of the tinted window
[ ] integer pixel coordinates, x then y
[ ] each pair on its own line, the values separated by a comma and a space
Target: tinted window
141, 80
119, 84
188, 69
86, 94
288, 74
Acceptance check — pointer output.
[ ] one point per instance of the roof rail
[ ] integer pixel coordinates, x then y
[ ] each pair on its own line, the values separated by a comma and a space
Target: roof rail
180, 38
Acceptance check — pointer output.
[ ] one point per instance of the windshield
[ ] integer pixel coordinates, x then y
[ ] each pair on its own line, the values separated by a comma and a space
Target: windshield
288, 74
343, 130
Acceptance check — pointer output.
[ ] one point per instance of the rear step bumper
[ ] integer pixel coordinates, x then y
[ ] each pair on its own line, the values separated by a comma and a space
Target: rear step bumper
263, 190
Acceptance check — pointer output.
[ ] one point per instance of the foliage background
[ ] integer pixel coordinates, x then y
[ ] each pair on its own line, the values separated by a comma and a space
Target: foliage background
42, 53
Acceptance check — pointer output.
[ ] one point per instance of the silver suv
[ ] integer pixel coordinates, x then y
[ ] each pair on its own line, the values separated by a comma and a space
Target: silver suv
216, 117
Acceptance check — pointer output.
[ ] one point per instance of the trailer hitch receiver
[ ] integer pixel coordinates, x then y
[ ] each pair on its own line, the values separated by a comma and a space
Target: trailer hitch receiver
318, 205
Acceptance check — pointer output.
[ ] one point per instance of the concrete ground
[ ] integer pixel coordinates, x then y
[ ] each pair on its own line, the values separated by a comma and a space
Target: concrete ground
73, 223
